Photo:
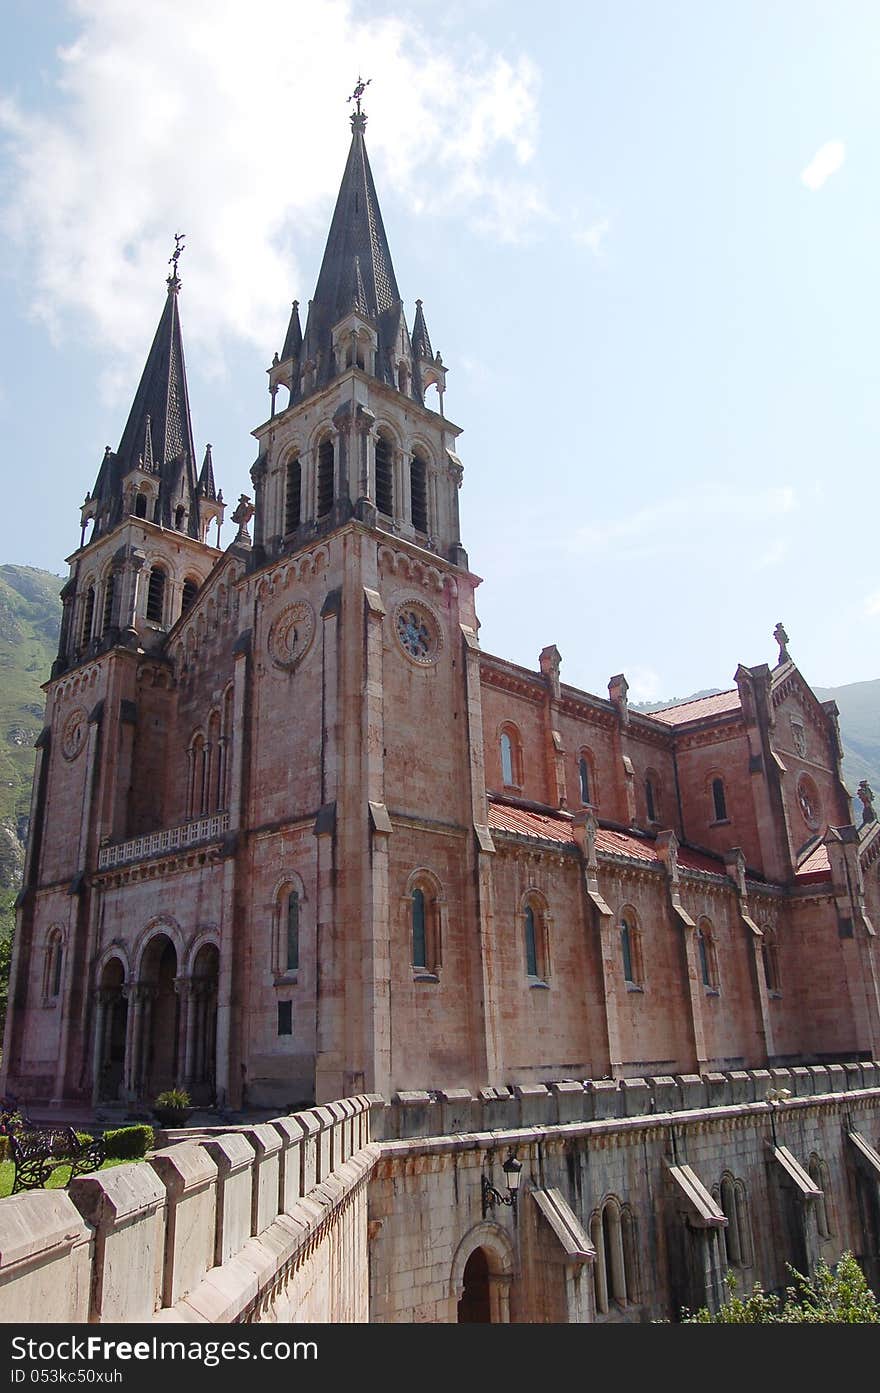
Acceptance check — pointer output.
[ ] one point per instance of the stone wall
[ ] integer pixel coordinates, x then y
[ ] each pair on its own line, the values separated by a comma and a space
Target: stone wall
252, 1223
627, 1218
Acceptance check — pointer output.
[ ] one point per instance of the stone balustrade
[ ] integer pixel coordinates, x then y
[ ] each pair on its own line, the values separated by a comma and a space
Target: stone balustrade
439, 1112
203, 829
219, 1225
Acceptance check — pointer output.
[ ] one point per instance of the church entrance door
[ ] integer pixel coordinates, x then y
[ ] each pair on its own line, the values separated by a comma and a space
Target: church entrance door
474, 1305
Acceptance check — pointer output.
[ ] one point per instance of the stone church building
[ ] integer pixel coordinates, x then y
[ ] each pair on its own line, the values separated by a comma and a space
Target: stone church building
296, 837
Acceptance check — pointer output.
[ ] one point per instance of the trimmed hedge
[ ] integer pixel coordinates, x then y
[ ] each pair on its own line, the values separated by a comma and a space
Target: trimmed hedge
128, 1143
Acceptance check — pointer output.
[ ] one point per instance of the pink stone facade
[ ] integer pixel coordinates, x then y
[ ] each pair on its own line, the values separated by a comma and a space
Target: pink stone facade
297, 838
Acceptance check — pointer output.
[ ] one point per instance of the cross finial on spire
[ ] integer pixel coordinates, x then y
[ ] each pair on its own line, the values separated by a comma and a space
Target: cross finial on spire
358, 117
174, 279
782, 639
359, 91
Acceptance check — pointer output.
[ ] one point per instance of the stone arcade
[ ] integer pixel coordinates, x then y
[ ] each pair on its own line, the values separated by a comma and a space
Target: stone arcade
296, 838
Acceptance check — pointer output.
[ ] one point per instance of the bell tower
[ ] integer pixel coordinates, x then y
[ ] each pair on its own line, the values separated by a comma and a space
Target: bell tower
150, 511
362, 432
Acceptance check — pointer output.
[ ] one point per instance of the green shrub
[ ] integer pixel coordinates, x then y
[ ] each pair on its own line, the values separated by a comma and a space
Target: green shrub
128, 1143
833, 1296
84, 1138
173, 1098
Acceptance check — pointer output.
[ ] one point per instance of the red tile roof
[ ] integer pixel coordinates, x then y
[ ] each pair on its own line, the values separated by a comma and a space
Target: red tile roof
530, 824
557, 827
718, 705
816, 865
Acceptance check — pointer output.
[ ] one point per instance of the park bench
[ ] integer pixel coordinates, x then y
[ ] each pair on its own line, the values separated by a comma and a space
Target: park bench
37, 1151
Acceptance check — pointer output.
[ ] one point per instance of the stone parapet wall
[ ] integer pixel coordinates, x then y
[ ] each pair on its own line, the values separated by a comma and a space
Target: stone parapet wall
439, 1112
263, 1222
618, 1220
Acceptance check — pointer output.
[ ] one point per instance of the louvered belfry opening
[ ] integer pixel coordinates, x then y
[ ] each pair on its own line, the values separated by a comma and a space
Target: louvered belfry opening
384, 477
293, 495
418, 487
325, 478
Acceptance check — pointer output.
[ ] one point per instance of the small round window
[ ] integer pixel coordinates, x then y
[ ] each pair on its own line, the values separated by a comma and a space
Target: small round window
418, 632
808, 802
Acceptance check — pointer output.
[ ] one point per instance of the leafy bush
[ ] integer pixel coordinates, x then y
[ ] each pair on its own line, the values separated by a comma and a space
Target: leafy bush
128, 1143
833, 1296
173, 1098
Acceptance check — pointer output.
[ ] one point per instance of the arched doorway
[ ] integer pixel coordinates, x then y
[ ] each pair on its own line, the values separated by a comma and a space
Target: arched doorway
473, 1304
481, 1277
201, 1047
162, 1010
111, 1024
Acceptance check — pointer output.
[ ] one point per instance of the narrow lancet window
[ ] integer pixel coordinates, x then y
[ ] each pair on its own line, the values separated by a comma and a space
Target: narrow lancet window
325, 478
384, 477
418, 491
293, 496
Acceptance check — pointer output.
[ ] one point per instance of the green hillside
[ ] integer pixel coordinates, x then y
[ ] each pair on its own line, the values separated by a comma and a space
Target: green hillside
859, 706
30, 615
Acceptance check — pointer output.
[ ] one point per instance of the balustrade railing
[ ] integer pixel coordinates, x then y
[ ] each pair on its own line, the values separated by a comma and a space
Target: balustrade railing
202, 829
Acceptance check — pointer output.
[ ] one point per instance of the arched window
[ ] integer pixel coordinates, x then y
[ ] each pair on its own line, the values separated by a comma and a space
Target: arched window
585, 778
293, 495
719, 802
612, 1231
770, 956
735, 1206
384, 476
88, 615
156, 595
54, 965
140, 505
630, 949
423, 903
180, 517
419, 941
531, 943
652, 796
197, 792
511, 757
536, 938
706, 951
190, 590
325, 477
418, 491
109, 593
821, 1178
292, 935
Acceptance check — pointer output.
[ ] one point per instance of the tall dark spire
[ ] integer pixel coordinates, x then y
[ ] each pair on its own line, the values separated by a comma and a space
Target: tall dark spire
356, 271
158, 436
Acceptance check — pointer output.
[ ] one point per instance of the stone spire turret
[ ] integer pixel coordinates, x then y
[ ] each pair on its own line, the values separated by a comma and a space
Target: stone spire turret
157, 439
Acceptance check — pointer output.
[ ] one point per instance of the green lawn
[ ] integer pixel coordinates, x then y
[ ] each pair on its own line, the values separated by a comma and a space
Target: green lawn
57, 1180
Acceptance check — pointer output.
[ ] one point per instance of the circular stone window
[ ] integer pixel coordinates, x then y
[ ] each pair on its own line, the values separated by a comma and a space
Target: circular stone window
73, 733
808, 802
418, 632
291, 635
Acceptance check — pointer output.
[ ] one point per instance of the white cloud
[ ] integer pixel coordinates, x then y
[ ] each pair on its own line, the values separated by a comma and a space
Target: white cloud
593, 236
773, 555
658, 529
826, 161
644, 684
872, 603
228, 122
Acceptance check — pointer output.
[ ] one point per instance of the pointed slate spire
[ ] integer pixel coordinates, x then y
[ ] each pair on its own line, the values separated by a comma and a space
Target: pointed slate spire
293, 338
356, 271
421, 342
206, 487
159, 421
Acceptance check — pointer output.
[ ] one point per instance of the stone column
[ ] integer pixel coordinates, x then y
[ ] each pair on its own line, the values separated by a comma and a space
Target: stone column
102, 1000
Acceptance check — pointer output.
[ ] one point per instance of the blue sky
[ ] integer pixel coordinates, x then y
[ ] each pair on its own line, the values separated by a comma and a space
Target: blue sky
645, 236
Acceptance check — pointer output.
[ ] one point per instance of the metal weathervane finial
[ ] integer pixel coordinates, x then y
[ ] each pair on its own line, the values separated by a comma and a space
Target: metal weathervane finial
359, 91
175, 255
